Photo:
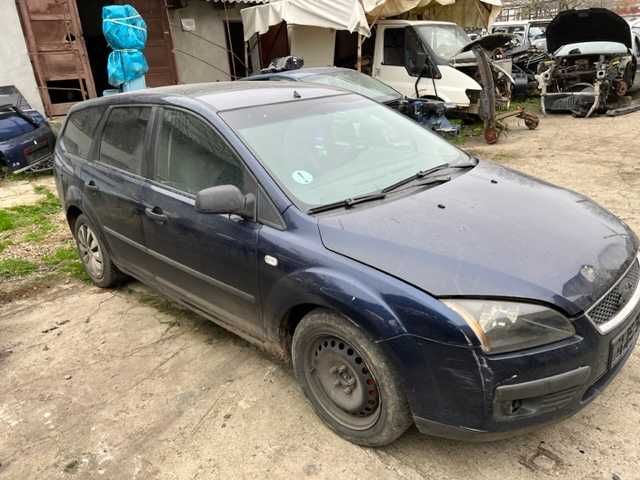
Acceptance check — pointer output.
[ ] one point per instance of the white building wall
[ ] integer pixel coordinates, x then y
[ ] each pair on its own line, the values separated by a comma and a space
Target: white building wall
314, 44
15, 65
201, 54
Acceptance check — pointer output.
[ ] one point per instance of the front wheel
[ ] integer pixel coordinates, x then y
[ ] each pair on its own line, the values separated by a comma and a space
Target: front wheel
350, 383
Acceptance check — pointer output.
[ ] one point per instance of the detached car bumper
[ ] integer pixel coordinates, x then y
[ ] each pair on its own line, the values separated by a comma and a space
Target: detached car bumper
569, 101
463, 394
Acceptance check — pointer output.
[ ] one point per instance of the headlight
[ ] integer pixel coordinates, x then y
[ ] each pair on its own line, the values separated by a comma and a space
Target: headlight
508, 326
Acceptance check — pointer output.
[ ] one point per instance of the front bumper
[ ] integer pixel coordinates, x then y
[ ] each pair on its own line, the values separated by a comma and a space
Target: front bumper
463, 394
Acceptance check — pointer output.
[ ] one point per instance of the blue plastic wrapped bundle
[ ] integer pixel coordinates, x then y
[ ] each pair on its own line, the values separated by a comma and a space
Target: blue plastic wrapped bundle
126, 33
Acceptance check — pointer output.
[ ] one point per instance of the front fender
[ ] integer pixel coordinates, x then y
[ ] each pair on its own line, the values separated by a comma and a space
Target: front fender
334, 290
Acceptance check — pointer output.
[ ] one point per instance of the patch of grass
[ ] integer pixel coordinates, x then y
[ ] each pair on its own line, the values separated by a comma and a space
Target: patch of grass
4, 244
16, 267
25, 215
66, 260
531, 104
467, 131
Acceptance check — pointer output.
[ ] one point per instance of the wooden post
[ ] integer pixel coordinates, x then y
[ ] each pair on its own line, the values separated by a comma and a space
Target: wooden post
359, 58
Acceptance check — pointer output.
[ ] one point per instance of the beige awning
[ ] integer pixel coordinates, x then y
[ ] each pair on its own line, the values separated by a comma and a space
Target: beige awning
466, 13
335, 14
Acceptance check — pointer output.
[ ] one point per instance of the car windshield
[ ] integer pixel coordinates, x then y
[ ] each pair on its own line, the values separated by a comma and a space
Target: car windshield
330, 149
445, 40
357, 82
537, 32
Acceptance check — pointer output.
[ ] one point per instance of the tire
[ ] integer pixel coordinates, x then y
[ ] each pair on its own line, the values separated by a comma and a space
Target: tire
94, 256
350, 383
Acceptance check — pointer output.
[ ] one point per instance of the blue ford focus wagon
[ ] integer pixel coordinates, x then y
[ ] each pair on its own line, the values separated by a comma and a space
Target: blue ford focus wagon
406, 281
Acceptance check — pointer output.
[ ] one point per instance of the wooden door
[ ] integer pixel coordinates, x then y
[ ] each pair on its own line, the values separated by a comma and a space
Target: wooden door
159, 49
58, 53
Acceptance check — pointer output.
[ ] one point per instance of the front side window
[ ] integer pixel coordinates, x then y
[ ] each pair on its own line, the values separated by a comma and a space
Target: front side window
191, 156
122, 143
329, 149
393, 47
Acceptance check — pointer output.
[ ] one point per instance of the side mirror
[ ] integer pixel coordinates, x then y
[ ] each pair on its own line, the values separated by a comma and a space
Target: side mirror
224, 199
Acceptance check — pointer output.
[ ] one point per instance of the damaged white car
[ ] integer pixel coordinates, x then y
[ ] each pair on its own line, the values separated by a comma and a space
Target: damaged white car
592, 66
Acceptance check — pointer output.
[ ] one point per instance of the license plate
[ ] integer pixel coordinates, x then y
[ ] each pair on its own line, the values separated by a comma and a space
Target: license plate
623, 342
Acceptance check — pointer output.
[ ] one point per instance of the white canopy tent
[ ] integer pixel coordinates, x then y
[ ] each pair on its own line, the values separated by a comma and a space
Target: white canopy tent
333, 14
466, 13
353, 15
312, 23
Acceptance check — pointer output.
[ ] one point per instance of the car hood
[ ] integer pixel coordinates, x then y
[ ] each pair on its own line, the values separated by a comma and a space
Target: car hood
588, 25
490, 232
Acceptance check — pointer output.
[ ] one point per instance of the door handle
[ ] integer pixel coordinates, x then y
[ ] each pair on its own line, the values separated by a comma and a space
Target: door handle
91, 185
155, 214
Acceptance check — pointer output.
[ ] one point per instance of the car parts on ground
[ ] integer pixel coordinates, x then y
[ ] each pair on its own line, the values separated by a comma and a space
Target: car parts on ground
496, 80
592, 66
26, 140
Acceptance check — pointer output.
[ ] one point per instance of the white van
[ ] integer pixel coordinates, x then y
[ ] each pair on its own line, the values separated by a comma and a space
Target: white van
448, 79
530, 33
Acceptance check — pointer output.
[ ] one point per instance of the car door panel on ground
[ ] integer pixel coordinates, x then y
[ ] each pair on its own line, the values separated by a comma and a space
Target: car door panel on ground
113, 183
209, 260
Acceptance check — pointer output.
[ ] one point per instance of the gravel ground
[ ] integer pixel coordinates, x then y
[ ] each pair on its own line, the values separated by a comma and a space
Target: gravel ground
120, 384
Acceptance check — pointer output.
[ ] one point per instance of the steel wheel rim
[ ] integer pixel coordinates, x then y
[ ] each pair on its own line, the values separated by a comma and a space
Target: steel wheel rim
342, 382
90, 252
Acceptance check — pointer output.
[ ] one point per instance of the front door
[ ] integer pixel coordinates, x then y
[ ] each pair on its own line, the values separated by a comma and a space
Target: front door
113, 183
208, 260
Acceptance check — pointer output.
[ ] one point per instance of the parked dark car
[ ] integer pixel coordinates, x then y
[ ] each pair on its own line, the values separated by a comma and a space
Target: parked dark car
405, 280
427, 112
26, 140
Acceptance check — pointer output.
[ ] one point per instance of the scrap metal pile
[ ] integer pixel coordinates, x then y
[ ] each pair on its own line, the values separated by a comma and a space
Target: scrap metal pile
591, 67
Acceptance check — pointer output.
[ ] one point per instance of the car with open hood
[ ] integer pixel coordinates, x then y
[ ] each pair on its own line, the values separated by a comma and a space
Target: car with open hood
592, 65
406, 281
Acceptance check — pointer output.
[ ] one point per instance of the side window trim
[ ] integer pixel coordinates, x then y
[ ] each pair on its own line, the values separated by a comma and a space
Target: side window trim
147, 137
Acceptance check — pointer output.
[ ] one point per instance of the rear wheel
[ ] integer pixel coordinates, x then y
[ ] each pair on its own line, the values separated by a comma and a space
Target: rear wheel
348, 380
96, 260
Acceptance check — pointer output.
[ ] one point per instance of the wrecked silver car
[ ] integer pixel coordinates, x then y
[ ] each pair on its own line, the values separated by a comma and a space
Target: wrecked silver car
591, 68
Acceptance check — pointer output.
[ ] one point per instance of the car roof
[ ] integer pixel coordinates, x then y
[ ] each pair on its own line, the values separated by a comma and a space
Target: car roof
300, 73
219, 96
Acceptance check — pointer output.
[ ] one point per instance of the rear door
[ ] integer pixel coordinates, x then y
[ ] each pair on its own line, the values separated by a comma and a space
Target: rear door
208, 260
112, 183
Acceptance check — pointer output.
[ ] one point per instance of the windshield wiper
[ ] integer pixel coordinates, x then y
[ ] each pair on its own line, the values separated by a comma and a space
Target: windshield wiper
426, 173
348, 202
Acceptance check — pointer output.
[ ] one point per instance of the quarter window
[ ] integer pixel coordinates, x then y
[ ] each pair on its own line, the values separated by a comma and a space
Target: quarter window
79, 130
191, 156
122, 144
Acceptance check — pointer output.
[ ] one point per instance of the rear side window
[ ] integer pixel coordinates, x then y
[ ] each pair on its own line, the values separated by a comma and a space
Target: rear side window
393, 46
191, 156
79, 131
122, 143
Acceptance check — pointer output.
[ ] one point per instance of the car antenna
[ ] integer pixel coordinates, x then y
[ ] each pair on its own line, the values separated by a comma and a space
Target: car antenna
296, 94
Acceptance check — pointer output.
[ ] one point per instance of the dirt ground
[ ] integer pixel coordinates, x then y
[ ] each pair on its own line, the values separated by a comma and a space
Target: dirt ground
121, 384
